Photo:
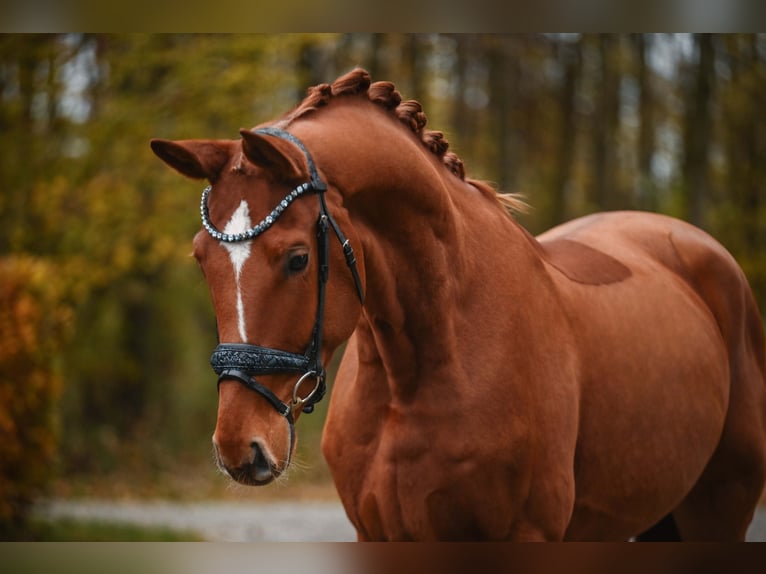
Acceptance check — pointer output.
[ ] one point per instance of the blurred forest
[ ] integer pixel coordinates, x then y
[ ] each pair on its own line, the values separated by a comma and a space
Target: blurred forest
577, 123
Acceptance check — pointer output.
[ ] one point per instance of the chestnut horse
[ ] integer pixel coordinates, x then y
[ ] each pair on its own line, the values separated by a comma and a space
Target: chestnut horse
590, 383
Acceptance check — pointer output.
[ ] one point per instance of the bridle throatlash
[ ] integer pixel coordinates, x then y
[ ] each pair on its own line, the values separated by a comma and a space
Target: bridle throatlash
243, 361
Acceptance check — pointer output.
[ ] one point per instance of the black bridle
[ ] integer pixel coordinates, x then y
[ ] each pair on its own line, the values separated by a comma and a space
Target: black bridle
243, 361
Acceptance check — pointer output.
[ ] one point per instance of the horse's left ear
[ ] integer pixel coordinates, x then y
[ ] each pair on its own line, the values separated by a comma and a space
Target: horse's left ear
281, 158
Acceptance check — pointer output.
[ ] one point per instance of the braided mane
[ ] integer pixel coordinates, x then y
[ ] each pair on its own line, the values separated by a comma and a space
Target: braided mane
408, 112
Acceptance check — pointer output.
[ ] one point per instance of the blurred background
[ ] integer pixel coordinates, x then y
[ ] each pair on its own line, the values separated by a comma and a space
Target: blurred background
105, 323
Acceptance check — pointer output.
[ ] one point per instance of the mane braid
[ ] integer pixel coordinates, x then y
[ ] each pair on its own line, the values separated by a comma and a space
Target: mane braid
408, 112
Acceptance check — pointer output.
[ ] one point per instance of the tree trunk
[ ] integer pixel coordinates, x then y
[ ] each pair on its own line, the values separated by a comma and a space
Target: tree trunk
569, 56
461, 124
414, 56
645, 190
755, 155
605, 194
698, 131
499, 108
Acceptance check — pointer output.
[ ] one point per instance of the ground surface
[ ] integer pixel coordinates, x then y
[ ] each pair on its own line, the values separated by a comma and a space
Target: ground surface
283, 521
220, 521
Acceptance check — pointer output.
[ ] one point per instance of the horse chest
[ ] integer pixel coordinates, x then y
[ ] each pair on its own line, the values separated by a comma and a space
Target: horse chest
409, 481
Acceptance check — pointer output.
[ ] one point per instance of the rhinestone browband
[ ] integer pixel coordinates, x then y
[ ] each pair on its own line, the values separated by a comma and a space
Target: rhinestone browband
256, 230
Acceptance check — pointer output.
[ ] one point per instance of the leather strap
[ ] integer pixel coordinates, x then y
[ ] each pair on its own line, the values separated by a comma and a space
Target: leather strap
282, 408
256, 360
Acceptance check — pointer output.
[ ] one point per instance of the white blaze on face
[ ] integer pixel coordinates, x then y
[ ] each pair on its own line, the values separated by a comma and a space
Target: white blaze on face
239, 252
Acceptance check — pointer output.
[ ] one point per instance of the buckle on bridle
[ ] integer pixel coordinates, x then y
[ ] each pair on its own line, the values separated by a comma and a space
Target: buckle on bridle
306, 404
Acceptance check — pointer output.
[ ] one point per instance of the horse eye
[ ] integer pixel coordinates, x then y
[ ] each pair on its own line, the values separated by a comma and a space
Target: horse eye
298, 262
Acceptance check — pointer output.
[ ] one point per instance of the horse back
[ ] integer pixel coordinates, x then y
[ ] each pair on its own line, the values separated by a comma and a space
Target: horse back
602, 248
697, 309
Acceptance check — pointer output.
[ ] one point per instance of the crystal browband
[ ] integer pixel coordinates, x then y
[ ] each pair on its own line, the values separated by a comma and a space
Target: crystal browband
256, 230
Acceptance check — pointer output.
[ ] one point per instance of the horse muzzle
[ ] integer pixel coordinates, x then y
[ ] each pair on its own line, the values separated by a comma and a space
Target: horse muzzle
252, 444
247, 458
252, 466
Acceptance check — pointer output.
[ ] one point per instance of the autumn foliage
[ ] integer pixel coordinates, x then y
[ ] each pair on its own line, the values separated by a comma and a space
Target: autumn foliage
33, 326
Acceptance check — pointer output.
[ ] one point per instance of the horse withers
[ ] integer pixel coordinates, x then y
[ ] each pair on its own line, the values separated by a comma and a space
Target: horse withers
587, 384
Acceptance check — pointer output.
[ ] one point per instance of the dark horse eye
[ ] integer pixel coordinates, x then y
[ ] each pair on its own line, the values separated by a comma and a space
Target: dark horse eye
298, 262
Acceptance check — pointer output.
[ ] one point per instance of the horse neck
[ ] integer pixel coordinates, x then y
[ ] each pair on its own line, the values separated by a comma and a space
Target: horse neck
429, 242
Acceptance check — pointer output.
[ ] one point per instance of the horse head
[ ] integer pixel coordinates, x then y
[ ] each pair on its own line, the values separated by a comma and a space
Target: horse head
265, 254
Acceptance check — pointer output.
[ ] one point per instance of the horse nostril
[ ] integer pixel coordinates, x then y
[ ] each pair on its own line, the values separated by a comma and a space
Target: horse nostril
257, 450
260, 462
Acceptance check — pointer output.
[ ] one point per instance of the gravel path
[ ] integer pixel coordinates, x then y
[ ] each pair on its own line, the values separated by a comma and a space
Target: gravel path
246, 521
220, 521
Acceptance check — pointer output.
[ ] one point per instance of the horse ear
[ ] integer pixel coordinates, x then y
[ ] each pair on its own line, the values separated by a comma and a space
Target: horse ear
278, 156
197, 159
